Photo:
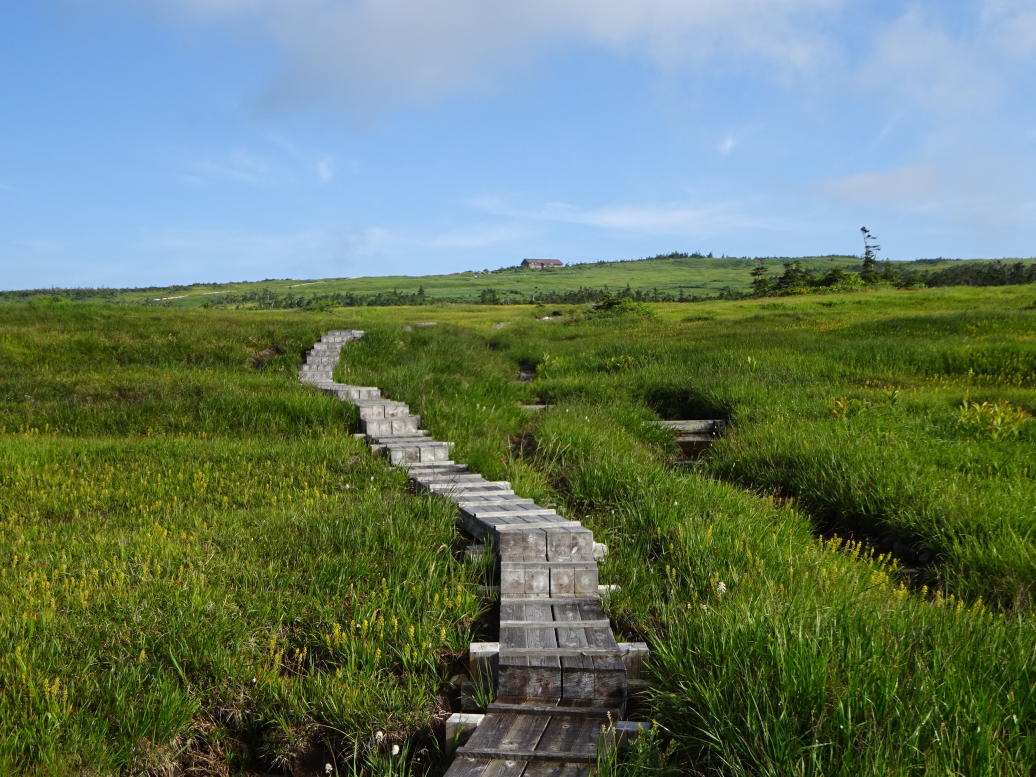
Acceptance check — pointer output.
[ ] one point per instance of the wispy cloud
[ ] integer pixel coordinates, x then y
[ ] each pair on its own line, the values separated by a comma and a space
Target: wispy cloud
917, 186
916, 60
674, 218
282, 245
282, 161
319, 163
727, 145
1012, 24
478, 236
236, 165
186, 254
953, 191
349, 53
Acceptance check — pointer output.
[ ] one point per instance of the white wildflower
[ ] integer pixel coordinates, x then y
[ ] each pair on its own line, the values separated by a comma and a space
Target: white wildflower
395, 749
721, 588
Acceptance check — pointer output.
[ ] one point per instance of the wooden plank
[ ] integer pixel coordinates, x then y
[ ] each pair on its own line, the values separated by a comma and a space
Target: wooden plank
536, 707
529, 651
464, 486
577, 672
486, 500
586, 580
530, 672
566, 737
602, 624
531, 755
569, 542
527, 522
577, 564
701, 426
562, 600
610, 680
505, 736
513, 543
463, 766
512, 578
505, 768
563, 579
509, 510
548, 769
523, 505
537, 576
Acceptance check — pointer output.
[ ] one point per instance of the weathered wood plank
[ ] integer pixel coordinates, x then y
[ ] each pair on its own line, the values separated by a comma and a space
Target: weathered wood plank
602, 624
505, 736
566, 737
530, 675
560, 707
577, 672
512, 652
548, 769
609, 669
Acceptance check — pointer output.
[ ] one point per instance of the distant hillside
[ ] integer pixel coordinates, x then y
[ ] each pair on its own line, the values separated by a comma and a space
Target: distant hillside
676, 276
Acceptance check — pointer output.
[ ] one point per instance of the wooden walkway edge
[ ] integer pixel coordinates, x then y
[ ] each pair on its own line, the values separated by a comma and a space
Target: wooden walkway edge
560, 680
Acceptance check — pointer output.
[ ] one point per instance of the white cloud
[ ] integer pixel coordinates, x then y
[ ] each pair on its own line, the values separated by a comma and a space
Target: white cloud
677, 218
239, 254
919, 186
319, 163
288, 163
726, 145
954, 190
917, 61
325, 168
236, 166
371, 54
365, 240
1013, 23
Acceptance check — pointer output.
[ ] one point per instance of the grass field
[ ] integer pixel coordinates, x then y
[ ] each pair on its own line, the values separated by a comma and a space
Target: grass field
689, 276
204, 573
194, 537
774, 652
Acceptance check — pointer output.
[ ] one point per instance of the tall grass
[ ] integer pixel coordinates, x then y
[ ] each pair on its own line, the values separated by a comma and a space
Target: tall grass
202, 558
204, 571
776, 651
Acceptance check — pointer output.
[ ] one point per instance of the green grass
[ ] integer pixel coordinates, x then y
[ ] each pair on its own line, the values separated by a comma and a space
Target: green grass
203, 569
814, 657
201, 556
691, 276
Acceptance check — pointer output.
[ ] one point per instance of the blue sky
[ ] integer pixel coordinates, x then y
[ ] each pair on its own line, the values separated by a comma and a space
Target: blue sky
149, 142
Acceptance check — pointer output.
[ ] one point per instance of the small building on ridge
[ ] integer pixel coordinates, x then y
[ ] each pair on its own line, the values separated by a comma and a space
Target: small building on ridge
539, 264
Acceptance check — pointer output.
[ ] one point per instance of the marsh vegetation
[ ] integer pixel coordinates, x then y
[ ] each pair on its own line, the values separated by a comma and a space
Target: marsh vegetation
205, 565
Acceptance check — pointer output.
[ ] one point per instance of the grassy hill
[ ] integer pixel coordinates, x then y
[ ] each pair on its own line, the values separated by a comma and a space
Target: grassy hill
680, 276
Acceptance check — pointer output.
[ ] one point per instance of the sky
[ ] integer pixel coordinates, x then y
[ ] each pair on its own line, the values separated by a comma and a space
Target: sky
154, 142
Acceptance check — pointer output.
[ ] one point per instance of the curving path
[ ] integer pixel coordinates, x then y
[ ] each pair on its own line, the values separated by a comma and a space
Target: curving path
560, 680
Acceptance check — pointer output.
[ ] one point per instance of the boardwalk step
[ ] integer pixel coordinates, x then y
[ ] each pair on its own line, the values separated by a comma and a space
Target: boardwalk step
560, 678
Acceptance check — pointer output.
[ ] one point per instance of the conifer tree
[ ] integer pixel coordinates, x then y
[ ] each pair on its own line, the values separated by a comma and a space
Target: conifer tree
869, 270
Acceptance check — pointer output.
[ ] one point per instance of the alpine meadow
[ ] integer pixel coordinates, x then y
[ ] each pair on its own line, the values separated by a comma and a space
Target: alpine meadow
207, 573
485, 388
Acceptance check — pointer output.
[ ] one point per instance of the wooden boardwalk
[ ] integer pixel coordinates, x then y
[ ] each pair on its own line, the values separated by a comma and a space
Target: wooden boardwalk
560, 680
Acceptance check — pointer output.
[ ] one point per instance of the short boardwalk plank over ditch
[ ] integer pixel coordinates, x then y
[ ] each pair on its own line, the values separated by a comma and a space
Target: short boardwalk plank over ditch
561, 679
